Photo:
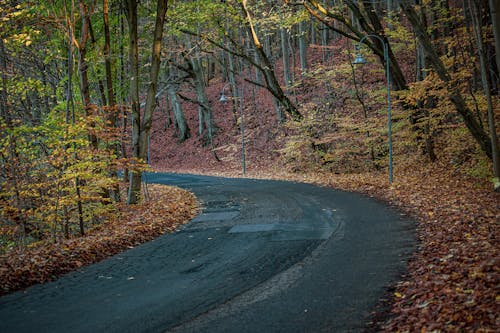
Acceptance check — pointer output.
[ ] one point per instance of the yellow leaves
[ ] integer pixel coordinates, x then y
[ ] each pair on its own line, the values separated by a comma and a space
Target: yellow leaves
168, 207
20, 38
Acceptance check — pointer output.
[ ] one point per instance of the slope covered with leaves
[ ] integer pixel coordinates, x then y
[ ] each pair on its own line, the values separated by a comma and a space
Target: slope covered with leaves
452, 280
167, 208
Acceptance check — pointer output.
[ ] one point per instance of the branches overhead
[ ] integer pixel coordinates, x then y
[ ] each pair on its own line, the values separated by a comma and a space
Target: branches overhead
262, 62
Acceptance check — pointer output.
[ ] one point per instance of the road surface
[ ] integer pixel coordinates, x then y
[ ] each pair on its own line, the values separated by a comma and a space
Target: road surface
263, 256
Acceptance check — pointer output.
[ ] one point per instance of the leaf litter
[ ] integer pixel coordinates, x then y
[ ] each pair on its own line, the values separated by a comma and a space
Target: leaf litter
167, 208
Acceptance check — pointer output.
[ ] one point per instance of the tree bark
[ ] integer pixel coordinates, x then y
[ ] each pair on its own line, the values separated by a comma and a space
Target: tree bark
303, 47
4, 111
205, 110
146, 122
454, 94
184, 132
269, 76
495, 18
143, 127
285, 52
83, 68
486, 88
107, 60
133, 55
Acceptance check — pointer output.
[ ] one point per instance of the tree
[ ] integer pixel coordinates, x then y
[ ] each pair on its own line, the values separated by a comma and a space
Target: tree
368, 23
455, 95
266, 67
141, 127
221, 37
476, 22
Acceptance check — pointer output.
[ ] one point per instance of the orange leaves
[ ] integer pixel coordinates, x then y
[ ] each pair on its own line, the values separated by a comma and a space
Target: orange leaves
452, 281
168, 207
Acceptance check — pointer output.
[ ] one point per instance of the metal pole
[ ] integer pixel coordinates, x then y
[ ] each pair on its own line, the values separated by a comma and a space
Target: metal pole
389, 118
242, 124
242, 121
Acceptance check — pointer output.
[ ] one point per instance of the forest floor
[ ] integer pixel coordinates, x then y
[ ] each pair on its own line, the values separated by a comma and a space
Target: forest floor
166, 209
452, 282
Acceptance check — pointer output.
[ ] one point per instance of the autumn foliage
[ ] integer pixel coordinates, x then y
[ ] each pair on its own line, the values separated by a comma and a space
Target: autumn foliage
130, 226
63, 140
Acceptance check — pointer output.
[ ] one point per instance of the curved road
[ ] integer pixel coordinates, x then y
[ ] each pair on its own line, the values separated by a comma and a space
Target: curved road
264, 256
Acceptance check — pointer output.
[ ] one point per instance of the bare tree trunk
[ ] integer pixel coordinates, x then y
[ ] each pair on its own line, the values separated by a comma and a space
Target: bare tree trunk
285, 52
495, 18
487, 91
83, 68
143, 127
184, 132
122, 100
4, 112
303, 47
107, 60
258, 77
232, 86
271, 81
454, 94
424, 133
133, 55
70, 108
324, 42
112, 113
147, 119
205, 109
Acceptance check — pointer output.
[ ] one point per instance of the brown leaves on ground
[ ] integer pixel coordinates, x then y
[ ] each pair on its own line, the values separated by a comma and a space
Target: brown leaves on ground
453, 280
167, 208
452, 283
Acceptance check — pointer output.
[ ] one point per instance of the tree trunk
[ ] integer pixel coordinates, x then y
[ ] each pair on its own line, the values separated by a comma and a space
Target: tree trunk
142, 136
424, 132
495, 18
324, 42
285, 52
184, 132
232, 86
4, 112
107, 61
133, 55
269, 76
205, 110
112, 113
147, 119
454, 94
303, 47
83, 69
486, 88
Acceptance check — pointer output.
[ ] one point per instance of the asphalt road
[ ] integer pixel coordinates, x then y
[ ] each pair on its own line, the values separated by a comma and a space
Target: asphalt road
264, 256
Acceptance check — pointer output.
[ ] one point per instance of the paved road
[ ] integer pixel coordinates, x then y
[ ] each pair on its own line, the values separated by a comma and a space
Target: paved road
264, 256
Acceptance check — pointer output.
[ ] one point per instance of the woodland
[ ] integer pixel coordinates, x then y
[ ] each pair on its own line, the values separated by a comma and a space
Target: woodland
396, 99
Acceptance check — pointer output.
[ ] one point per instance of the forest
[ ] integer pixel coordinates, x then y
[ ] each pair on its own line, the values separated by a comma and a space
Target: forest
398, 99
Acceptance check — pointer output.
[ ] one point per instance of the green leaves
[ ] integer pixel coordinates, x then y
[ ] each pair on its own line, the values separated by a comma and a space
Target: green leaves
43, 166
